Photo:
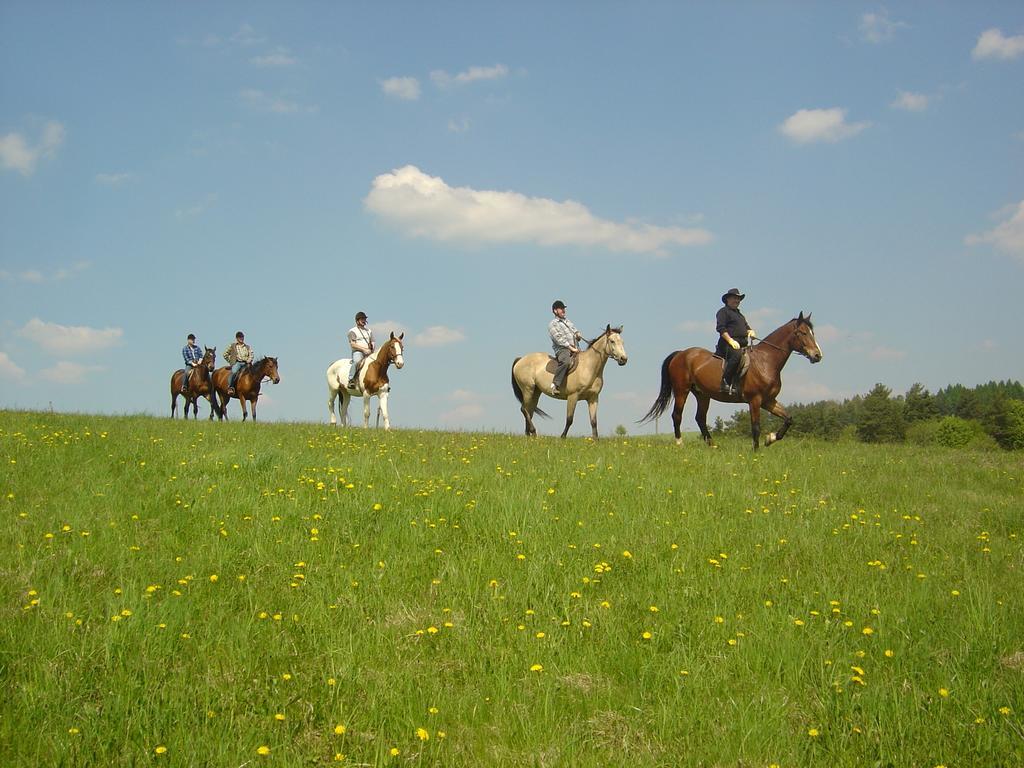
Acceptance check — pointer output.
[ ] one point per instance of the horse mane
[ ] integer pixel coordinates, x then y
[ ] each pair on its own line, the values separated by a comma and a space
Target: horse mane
607, 331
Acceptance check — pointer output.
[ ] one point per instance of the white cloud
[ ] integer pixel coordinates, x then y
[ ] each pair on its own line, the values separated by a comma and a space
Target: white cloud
442, 79
383, 329
18, 154
883, 353
407, 88
425, 206
246, 35
197, 209
878, 27
9, 369
459, 126
810, 125
264, 102
470, 407
438, 336
112, 179
280, 58
992, 44
910, 102
69, 339
69, 373
1008, 236
36, 276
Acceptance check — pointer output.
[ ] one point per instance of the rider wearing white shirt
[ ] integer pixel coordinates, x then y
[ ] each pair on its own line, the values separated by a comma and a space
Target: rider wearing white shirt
360, 339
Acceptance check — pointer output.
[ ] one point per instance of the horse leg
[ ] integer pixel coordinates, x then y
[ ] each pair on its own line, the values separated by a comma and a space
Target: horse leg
570, 407
703, 403
366, 411
592, 407
332, 395
212, 398
677, 414
776, 409
382, 410
174, 402
755, 420
528, 407
252, 404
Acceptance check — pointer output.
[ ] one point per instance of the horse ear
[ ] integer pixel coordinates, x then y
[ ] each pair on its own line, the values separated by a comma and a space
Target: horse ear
392, 334
608, 328
801, 315
808, 318
401, 335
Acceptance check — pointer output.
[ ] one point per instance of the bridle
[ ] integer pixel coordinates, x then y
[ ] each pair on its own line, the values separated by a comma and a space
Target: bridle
801, 352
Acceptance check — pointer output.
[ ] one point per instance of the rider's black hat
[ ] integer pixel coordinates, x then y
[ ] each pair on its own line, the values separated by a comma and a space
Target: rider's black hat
360, 316
191, 337
559, 304
733, 292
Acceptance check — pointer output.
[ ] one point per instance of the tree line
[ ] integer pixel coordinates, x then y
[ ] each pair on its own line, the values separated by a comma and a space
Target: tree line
989, 415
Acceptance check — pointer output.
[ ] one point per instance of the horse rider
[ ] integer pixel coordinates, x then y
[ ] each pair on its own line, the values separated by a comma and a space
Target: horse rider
193, 355
564, 338
361, 341
238, 355
734, 333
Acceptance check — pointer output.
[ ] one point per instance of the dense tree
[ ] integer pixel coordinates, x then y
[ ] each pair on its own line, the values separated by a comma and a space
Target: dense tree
881, 419
919, 404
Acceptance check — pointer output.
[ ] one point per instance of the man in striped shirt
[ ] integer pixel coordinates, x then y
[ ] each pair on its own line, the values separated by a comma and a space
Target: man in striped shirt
564, 337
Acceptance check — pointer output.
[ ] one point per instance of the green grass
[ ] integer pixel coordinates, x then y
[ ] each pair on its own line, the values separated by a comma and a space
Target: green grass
179, 585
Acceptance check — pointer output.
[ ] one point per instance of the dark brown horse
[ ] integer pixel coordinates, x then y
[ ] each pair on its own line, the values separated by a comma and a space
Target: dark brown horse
700, 371
247, 385
199, 385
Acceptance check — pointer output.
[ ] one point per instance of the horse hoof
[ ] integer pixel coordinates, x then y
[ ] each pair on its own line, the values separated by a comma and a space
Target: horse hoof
771, 438
679, 441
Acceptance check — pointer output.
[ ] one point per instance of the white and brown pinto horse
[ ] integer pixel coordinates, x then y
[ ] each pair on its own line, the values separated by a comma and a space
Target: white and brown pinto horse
534, 373
372, 381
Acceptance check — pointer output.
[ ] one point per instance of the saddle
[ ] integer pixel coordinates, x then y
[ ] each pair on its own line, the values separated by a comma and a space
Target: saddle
552, 365
741, 369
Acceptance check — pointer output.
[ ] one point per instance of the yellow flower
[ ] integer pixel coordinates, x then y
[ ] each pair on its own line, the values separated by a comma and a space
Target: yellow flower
1005, 710
263, 750
160, 750
944, 692
339, 730
813, 733
331, 681
889, 653
394, 751
646, 635
867, 631
537, 668
214, 577
279, 717
422, 734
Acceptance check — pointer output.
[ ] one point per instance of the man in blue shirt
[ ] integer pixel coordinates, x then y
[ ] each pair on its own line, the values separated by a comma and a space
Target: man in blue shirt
193, 355
564, 338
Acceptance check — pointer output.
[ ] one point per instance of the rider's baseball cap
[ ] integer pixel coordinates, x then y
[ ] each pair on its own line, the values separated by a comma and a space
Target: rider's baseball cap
360, 316
559, 304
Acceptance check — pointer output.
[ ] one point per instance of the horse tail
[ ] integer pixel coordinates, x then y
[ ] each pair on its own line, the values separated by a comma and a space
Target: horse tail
664, 395
519, 392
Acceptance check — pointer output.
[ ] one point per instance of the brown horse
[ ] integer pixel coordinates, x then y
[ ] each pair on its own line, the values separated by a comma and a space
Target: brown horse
199, 385
700, 371
247, 385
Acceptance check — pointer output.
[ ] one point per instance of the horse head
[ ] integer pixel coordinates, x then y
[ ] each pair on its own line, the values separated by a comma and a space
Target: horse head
614, 348
395, 349
209, 361
269, 368
802, 339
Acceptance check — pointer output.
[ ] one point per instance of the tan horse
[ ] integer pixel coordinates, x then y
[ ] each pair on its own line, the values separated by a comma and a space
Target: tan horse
534, 373
700, 371
199, 385
372, 378
247, 385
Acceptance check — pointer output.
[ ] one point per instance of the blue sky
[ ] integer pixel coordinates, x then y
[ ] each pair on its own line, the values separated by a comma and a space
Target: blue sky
453, 168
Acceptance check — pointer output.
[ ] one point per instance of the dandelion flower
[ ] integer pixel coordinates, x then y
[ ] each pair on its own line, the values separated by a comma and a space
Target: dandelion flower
422, 734
279, 717
537, 668
263, 750
646, 635
944, 692
813, 733
160, 750
394, 751
339, 730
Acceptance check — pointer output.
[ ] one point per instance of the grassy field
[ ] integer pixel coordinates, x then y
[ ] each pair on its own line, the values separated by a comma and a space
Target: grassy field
239, 594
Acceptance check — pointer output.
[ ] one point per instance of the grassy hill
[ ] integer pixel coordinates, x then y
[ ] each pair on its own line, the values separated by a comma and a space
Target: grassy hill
229, 594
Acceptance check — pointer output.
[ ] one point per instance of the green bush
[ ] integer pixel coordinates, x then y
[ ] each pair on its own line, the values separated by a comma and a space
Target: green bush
951, 432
